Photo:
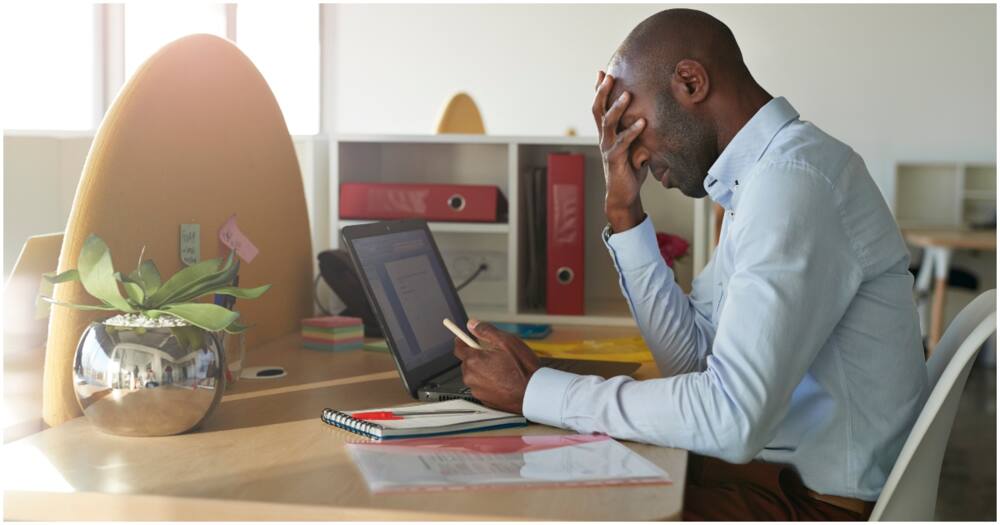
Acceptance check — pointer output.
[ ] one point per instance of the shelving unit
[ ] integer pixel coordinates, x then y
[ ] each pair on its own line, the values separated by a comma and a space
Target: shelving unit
951, 195
502, 161
448, 227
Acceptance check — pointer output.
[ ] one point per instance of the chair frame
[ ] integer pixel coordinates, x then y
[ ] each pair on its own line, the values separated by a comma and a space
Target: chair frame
945, 395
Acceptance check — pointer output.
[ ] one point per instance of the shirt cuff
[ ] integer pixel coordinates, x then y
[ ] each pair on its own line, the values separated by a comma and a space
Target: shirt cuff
635, 247
544, 397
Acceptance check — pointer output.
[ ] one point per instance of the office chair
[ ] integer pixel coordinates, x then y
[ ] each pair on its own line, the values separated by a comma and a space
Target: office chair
910, 493
25, 324
194, 136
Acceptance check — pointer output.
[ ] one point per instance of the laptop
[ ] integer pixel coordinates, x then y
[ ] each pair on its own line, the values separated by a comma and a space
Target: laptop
410, 291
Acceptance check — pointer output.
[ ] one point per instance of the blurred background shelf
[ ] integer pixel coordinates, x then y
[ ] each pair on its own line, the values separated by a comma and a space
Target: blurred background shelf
945, 194
448, 227
504, 161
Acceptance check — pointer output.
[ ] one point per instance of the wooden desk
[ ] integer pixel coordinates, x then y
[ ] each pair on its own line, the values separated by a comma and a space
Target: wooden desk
938, 246
265, 455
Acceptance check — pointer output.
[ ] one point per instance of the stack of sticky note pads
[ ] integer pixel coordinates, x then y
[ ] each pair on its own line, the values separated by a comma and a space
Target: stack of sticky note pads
333, 333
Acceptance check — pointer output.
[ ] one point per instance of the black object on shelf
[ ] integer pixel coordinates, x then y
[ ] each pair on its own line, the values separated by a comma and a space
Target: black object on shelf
340, 275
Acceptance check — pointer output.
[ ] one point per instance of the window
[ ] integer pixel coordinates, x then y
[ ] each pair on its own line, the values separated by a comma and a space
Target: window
50, 55
148, 27
48, 65
282, 40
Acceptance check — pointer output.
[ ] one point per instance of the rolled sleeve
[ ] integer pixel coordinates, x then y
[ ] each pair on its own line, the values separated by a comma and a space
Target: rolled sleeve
544, 398
634, 248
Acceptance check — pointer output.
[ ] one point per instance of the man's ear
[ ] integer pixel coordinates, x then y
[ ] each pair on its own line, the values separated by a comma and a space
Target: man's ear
689, 83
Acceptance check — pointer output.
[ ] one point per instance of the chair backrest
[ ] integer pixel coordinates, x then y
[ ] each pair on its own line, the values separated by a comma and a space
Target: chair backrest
193, 137
25, 324
910, 492
967, 320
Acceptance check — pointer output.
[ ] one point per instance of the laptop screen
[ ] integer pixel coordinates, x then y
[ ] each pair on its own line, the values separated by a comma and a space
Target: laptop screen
408, 280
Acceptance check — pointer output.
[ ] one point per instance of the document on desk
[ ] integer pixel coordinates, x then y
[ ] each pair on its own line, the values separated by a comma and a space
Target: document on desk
492, 462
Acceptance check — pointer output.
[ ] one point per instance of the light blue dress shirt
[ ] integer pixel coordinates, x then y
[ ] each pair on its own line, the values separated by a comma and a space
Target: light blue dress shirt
799, 343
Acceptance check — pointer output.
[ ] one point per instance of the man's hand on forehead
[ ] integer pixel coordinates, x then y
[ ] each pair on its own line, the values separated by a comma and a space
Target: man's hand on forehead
617, 133
616, 91
625, 122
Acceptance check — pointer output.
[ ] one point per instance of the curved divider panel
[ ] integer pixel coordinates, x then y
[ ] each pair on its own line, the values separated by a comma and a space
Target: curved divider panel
193, 137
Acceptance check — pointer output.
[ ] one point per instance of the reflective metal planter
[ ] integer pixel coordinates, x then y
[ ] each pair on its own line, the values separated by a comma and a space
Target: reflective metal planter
135, 381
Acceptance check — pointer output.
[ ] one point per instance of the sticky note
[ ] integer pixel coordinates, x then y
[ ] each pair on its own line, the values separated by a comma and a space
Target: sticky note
45, 289
231, 236
190, 243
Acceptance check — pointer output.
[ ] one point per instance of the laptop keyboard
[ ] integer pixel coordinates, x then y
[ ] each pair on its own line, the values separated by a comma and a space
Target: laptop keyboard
562, 364
455, 375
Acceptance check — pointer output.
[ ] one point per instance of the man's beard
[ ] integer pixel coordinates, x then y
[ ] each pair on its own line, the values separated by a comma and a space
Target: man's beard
687, 173
693, 143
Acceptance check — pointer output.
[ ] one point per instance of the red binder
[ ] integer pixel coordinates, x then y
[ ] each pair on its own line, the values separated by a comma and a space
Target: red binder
433, 202
564, 276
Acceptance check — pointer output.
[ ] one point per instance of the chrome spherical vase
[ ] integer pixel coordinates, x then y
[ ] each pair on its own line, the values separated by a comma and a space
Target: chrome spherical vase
143, 381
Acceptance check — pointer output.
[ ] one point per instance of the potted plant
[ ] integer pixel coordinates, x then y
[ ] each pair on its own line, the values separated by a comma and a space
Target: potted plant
155, 368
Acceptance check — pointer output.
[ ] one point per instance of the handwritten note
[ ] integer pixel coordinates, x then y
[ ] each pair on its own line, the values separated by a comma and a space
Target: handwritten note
190, 243
232, 237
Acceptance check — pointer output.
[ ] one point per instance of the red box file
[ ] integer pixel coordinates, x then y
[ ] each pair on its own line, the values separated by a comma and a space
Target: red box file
564, 275
433, 202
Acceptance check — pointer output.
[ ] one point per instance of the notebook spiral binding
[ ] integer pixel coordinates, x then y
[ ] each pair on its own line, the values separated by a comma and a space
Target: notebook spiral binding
344, 421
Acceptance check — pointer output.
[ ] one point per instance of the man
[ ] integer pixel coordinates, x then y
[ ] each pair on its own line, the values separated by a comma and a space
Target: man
798, 348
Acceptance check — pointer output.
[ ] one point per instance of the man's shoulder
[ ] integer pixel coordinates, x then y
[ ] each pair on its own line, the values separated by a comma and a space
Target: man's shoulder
804, 144
814, 155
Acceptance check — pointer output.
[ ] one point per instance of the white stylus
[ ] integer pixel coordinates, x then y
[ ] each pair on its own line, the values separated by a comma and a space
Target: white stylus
460, 334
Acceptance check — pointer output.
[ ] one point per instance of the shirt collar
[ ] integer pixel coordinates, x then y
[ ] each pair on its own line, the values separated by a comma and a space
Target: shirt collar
746, 148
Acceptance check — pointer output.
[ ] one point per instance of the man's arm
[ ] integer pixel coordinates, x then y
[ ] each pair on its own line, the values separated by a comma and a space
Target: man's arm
677, 329
668, 321
794, 277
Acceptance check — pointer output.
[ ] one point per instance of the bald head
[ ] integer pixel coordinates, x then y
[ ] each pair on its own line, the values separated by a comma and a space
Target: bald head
657, 44
686, 79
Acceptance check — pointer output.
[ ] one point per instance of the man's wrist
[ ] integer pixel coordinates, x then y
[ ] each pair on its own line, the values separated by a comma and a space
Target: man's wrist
634, 248
545, 395
624, 220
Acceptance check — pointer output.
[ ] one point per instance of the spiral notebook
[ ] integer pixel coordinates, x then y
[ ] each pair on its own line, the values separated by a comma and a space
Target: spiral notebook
429, 419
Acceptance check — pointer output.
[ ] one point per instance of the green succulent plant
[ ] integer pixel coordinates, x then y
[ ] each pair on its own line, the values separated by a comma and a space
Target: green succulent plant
147, 294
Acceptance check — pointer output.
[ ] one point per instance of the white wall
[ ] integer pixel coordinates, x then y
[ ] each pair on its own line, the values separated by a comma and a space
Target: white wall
906, 82
41, 172
911, 82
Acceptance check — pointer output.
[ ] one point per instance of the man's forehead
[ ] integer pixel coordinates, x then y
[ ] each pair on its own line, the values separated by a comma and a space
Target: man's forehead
624, 77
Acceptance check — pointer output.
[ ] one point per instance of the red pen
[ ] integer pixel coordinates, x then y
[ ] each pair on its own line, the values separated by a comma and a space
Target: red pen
390, 415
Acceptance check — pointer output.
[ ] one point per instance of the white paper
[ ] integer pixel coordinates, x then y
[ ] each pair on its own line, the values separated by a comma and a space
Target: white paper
501, 461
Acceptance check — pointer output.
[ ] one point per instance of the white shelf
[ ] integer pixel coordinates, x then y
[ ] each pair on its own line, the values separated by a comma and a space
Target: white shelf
501, 161
980, 195
588, 320
597, 313
448, 227
468, 139
943, 194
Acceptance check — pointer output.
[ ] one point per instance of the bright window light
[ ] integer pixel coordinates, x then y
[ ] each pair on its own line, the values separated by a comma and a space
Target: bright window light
282, 40
148, 27
47, 57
